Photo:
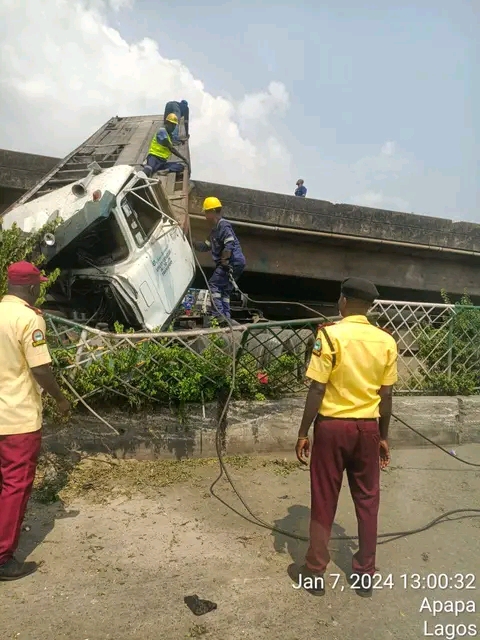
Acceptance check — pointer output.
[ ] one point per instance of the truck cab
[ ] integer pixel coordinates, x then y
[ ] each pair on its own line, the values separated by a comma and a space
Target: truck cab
121, 257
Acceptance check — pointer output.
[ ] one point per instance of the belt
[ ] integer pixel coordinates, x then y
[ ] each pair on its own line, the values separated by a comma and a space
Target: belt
348, 418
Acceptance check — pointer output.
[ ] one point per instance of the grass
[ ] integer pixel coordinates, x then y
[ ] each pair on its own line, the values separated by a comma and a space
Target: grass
102, 478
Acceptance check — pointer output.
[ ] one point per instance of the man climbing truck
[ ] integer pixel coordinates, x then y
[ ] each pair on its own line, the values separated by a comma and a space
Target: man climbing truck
161, 149
227, 255
181, 110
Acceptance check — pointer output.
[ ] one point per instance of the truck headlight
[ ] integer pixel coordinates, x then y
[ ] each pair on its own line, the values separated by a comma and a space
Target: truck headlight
49, 239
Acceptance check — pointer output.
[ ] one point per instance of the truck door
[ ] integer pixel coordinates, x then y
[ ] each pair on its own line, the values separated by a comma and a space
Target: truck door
164, 266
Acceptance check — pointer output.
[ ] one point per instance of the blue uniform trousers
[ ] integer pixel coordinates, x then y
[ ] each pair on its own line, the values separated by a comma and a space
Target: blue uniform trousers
155, 164
221, 287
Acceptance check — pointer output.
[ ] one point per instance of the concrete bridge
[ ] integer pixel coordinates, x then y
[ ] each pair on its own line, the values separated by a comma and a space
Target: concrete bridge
309, 246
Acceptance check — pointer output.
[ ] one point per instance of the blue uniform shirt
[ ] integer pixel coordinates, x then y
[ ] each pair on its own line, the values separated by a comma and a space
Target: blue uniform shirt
222, 237
162, 135
301, 191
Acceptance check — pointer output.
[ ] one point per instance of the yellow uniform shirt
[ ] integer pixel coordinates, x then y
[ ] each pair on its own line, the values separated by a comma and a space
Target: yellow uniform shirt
365, 360
22, 346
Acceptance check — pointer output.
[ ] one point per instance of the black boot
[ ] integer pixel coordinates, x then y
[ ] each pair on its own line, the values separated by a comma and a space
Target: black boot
361, 584
314, 583
14, 570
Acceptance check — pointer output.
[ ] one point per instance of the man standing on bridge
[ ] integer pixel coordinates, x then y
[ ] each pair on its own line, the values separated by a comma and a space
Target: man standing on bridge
227, 255
353, 369
181, 110
161, 149
301, 190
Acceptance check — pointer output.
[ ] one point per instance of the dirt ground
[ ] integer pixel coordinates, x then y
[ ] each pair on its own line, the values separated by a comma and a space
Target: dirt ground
120, 569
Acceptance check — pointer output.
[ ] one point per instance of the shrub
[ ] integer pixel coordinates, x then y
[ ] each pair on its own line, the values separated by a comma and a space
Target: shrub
150, 372
451, 351
16, 246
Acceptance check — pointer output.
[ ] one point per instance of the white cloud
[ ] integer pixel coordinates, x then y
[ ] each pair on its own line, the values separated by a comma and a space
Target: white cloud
65, 71
258, 106
388, 149
118, 5
386, 164
384, 167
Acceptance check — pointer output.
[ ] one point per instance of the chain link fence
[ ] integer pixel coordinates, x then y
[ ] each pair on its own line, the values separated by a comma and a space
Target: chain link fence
438, 345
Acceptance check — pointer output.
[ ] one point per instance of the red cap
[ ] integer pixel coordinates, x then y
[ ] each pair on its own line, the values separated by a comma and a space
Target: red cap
24, 273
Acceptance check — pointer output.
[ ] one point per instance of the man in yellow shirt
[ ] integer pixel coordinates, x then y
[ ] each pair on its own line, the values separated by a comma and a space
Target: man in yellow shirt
353, 369
25, 369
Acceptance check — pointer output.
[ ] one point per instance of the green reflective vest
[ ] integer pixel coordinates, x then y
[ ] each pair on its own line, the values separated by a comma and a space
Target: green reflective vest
159, 150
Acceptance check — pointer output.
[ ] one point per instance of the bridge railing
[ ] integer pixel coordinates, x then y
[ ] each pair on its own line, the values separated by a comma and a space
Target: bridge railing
439, 353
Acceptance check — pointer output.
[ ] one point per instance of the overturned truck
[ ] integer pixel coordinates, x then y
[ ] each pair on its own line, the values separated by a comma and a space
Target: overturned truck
121, 242
121, 256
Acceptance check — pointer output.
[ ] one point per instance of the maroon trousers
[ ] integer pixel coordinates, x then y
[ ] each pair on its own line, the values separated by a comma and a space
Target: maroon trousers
18, 463
338, 445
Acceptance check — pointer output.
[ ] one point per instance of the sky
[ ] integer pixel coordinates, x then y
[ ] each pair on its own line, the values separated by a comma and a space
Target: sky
374, 103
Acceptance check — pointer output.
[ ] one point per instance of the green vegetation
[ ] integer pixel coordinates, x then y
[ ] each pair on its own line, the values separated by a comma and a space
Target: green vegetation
16, 246
451, 351
149, 372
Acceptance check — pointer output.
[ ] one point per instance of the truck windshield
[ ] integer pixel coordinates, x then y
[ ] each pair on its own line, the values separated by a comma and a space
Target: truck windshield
100, 244
141, 212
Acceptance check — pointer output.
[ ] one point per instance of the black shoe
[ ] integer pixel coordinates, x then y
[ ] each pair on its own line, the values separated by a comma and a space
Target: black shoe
361, 584
314, 583
14, 570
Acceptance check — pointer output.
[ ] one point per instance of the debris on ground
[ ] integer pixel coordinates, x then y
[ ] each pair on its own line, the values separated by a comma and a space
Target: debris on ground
198, 606
101, 478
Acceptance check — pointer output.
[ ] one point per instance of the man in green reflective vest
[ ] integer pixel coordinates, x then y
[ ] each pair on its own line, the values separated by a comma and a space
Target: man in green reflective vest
161, 149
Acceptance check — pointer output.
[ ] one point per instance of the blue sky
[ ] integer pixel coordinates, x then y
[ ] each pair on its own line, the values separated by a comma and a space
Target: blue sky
357, 77
376, 106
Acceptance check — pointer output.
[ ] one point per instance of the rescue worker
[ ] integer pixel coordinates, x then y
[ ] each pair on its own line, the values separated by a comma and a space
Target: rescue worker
25, 370
161, 148
181, 110
227, 255
301, 190
353, 369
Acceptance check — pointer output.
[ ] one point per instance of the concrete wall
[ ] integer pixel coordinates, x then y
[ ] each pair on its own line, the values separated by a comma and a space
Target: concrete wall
21, 170
283, 253
320, 215
256, 427
396, 270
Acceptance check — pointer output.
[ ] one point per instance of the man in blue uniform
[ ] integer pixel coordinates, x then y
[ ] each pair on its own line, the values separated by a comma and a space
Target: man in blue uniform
301, 189
181, 110
227, 255
161, 149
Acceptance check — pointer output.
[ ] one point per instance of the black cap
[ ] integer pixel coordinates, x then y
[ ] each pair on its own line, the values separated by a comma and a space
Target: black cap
359, 289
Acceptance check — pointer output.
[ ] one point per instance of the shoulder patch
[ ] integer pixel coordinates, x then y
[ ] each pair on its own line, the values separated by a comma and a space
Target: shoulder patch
38, 338
317, 348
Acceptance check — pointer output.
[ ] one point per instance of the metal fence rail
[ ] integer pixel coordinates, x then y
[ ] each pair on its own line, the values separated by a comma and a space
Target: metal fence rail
439, 352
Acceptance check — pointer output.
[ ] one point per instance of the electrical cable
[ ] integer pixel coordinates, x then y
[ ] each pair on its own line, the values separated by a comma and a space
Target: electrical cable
453, 455
254, 519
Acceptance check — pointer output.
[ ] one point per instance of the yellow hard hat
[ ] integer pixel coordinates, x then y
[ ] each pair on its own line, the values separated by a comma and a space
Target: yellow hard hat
172, 118
211, 203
